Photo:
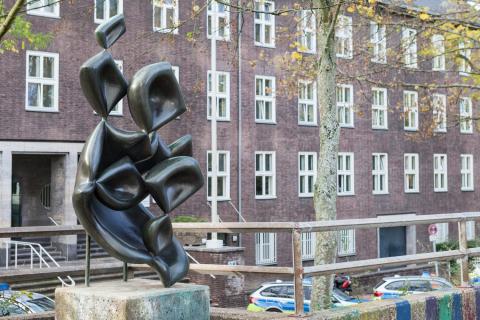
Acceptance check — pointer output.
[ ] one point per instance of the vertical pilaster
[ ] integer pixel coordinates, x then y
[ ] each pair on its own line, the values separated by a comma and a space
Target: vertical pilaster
5, 196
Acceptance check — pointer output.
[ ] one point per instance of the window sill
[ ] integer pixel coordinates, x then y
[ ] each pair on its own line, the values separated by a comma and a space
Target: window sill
266, 263
345, 194
44, 15
466, 132
467, 190
265, 122
264, 45
345, 57
380, 128
439, 131
344, 255
380, 193
378, 61
347, 126
166, 31
412, 192
440, 191
305, 196
219, 38
438, 70
265, 198
308, 259
307, 124
219, 199
410, 129
220, 119
36, 109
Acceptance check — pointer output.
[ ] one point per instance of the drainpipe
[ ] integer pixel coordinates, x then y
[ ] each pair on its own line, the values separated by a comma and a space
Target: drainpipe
239, 98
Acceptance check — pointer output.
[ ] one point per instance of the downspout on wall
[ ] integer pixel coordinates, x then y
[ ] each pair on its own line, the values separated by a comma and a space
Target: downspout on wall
239, 106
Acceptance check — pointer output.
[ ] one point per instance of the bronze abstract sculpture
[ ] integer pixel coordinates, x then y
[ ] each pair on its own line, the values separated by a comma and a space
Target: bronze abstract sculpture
117, 168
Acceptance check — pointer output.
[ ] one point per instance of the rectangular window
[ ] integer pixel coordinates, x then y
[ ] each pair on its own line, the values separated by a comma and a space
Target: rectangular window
378, 39
345, 174
223, 96
466, 114
440, 112
442, 232
308, 245
440, 169
118, 109
467, 172
264, 99
265, 248
223, 175
105, 9
380, 173
470, 230
264, 23
438, 44
410, 110
44, 8
165, 16
464, 52
42, 81
409, 47
411, 172
307, 103
264, 175
343, 37
307, 171
379, 108
345, 105
307, 27
346, 242
218, 20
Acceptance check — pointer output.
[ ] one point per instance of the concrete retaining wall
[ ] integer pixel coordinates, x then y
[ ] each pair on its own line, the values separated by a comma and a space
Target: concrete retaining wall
461, 304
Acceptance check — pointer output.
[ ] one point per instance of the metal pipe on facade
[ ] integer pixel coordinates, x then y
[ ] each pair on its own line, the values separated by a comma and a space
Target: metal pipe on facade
239, 105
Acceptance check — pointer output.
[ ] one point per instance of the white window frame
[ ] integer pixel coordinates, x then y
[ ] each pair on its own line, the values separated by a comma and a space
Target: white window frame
308, 246
306, 173
378, 40
106, 10
264, 97
466, 171
440, 112
407, 159
220, 95
163, 7
265, 248
410, 110
344, 108
118, 109
224, 175
39, 9
464, 68
440, 173
470, 230
466, 115
262, 22
304, 103
264, 174
409, 47
346, 243
438, 45
219, 15
42, 81
378, 173
442, 232
378, 108
343, 173
307, 30
344, 37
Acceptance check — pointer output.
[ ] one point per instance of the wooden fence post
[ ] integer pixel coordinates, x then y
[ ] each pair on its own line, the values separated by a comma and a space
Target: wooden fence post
463, 246
298, 271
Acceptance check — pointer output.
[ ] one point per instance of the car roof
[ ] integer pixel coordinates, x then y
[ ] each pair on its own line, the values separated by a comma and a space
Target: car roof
414, 278
22, 296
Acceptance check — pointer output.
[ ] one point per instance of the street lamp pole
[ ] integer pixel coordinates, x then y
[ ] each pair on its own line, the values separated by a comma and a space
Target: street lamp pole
214, 242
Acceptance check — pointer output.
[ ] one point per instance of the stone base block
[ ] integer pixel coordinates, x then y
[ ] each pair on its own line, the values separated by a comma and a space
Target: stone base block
137, 299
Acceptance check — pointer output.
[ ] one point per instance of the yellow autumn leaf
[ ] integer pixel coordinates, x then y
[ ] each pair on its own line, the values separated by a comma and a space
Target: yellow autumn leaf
296, 56
351, 8
424, 16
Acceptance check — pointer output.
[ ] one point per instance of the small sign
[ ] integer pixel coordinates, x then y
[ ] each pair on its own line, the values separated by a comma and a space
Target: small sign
432, 229
433, 237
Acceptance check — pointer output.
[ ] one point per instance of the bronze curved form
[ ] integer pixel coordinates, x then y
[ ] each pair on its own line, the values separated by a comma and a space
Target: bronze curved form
119, 168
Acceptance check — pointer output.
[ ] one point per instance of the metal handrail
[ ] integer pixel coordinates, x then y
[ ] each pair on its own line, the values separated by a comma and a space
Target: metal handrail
39, 253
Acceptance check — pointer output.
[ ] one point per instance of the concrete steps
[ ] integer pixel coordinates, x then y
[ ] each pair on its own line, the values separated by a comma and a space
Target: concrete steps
95, 250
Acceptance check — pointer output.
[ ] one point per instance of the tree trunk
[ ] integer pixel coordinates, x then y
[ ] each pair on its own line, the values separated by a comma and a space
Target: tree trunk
6, 24
325, 192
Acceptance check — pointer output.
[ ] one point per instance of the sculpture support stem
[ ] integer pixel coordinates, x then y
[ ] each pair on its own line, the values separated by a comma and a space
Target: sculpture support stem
87, 260
125, 271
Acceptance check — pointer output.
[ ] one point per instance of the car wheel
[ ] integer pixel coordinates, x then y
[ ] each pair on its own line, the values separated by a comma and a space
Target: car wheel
273, 310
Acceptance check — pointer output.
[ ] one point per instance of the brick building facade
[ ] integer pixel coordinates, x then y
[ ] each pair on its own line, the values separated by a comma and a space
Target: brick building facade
50, 137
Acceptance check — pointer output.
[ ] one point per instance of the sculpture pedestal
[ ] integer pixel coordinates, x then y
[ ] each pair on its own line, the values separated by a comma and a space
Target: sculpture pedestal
136, 299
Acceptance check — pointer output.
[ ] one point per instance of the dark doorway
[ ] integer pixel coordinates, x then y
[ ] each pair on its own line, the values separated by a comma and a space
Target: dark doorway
392, 241
16, 204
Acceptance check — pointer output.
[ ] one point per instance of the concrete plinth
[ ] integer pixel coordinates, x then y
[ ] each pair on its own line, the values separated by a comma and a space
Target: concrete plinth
137, 299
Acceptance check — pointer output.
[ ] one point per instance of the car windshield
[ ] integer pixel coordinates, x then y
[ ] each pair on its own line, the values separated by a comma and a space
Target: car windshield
44, 303
342, 296
8, 308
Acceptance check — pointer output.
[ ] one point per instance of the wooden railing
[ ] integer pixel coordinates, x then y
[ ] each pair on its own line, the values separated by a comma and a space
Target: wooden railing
297, 271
